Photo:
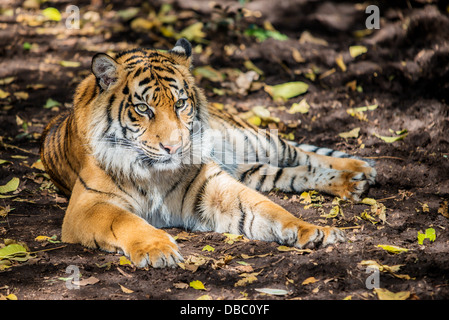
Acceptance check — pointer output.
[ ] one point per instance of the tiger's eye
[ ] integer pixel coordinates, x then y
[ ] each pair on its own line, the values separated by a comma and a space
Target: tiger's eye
180, 103
142, 108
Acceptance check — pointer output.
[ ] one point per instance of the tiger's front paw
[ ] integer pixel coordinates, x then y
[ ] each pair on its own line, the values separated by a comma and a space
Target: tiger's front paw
312, 236
157, 249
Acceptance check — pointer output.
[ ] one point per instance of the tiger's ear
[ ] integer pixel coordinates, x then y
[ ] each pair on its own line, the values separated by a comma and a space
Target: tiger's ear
105, 70
183, 52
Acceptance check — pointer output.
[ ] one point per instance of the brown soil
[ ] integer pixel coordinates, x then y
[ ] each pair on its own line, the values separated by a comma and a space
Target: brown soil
405, 72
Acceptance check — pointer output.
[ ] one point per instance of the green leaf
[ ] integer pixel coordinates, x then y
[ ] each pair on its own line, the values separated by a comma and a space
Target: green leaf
391, 139
198, 285
12, 185
13, 251
52, 14
263, 34
286, 90
430, 234
27, 46
51, 103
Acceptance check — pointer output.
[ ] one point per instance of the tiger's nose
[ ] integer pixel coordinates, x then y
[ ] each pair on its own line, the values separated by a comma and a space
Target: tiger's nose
170, 149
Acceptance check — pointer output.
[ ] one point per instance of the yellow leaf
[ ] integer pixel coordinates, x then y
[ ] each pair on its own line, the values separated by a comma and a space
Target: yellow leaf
255, 121
392, 249
21, 95
385, 268
425, 207
286, 90
52, 14
69, 64
209, 73
354, 133
306, 36
42, 238
231, 238
11, 296
333, 212
141, 25
301, 107
198, 285
7, 80
251, 66
356, 51
208, 248
247, 278
125, 290
384, 294
340, 63
194, 32
38, 165
369, 201
124, 261
3, 94
309, 281
297, 56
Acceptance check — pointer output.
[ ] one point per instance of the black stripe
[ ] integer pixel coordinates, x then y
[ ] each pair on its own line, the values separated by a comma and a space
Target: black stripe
189, 185
278, 175
125, 89
261, 181
242, 218
94, 190
131, 58
202, 190
250, 172
292, 183
144, 81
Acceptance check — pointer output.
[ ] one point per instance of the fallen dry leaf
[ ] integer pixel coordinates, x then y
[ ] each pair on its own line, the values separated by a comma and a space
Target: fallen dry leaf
384, 294
86, 282
126, 290
309, 280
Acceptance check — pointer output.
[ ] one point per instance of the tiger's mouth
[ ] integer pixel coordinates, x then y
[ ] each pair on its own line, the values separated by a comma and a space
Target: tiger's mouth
161, 161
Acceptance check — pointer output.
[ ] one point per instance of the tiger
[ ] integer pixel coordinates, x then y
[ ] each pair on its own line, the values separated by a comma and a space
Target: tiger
139, 152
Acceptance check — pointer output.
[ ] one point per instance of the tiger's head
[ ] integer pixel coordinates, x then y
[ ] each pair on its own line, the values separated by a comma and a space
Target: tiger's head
148, 113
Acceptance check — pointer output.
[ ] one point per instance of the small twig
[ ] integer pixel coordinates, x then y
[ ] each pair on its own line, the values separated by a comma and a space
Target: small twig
388, 198
49, 249
354, 227
385, 157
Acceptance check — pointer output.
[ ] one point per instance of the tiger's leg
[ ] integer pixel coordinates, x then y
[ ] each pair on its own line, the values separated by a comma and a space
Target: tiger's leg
94, 221
223, 204
292, 169
344, 184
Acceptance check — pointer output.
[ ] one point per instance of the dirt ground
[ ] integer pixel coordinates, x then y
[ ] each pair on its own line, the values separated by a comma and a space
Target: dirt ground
404, 72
